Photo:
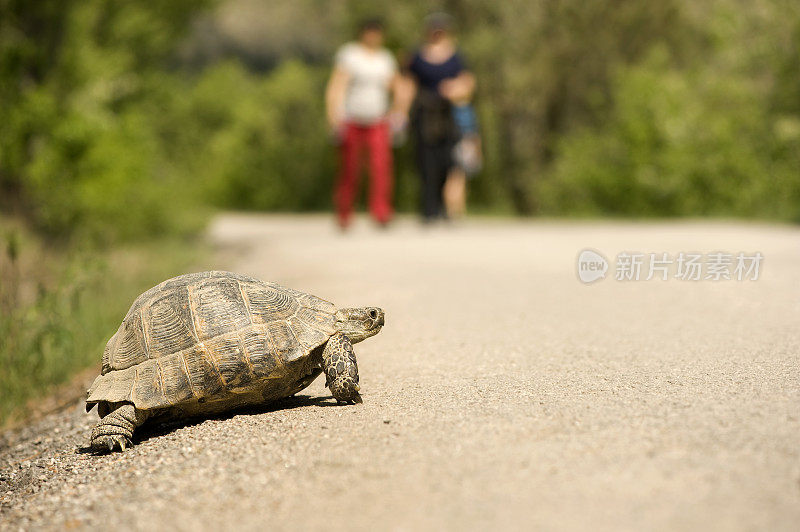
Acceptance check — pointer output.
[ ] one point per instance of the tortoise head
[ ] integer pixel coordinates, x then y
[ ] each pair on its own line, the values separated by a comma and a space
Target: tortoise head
359, 323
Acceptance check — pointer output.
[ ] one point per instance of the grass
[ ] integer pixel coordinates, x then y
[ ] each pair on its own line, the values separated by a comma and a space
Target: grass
58, 307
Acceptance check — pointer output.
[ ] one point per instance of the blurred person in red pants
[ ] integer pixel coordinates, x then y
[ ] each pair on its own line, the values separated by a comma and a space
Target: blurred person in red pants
365, 80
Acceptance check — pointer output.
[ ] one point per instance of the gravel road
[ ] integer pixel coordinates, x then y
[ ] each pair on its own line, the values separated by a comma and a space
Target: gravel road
502, 392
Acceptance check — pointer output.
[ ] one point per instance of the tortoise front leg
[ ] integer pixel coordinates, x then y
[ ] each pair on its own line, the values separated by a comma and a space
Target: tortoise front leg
341, 371
115, 429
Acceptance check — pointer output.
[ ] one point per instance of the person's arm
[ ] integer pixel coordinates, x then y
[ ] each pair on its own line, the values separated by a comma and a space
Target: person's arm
334, 96
404, 88
459, 88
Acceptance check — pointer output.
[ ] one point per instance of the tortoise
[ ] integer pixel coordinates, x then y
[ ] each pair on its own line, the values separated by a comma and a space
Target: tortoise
208, 342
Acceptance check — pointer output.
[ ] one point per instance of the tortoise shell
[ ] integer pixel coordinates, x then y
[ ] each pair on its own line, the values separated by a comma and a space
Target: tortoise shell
211, 334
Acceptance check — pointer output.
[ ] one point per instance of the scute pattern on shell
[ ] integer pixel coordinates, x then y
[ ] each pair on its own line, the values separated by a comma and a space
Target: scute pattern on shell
270, 304
197, 335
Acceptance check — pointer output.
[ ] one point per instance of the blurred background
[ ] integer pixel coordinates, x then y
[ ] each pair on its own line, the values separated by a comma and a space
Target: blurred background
125, 125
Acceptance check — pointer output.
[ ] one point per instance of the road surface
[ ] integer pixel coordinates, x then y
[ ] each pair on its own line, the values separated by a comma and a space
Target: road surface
502, 393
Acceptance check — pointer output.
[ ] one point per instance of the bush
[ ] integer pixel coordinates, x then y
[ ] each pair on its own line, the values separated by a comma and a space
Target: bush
266, 137
80, 153
679, 142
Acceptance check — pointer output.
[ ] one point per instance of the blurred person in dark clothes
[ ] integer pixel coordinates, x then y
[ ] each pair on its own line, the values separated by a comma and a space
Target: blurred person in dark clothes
441, 116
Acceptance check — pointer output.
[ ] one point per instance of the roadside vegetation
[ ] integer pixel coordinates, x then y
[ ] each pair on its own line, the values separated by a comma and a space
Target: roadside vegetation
59, 306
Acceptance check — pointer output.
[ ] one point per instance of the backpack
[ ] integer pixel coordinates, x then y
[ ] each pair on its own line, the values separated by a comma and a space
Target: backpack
434, 118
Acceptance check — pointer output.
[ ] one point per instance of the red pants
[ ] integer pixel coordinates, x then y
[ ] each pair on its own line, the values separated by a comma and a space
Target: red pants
376, 138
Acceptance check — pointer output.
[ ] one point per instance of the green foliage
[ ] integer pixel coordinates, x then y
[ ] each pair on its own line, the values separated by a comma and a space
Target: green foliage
680, 142
48, 339
79, 150
119, 123
266, 137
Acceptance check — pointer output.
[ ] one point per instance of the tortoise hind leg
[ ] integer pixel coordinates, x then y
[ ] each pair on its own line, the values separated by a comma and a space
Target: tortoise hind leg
116, 428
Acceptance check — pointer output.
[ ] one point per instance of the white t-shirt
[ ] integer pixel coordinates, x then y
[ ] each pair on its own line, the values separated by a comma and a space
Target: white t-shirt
371, 71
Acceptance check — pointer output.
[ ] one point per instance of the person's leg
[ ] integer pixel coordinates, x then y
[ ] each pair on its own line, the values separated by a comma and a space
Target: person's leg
381, 178
443, 164
455, 193
429, 174
347, 183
